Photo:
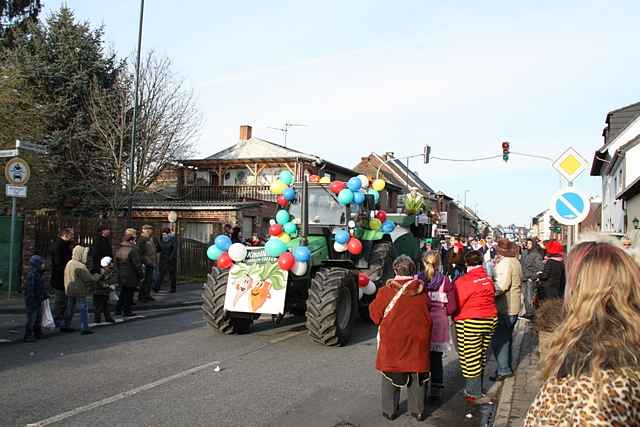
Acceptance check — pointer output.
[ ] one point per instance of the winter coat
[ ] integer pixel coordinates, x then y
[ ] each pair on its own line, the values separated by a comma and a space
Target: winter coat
101, 248
169, 252
78, 281
128, 265
508, 286
475, 294
34, 292
147, 248
442, 304
405, 333
107, 279
60, 254
552, 279
532, 263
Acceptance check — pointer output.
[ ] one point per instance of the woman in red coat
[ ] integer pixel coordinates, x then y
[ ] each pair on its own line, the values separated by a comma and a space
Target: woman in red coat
401, 311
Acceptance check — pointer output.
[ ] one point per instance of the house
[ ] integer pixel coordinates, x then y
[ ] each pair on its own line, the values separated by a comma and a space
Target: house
617, 162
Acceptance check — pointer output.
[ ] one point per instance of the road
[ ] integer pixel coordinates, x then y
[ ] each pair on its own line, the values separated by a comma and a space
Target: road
161, 371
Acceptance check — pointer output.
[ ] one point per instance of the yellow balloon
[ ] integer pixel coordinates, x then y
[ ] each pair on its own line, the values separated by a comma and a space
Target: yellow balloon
325, 180
285, 238
378, 184
375, 224
278, 187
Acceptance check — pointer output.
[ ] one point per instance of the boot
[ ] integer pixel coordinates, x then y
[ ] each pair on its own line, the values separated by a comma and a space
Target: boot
97, 318
109, 319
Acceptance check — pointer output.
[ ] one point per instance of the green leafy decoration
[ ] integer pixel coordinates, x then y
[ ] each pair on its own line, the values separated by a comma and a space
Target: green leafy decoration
272, 273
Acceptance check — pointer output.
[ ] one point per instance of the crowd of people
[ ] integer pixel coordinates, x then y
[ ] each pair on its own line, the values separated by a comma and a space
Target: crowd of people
141, 263
485, 288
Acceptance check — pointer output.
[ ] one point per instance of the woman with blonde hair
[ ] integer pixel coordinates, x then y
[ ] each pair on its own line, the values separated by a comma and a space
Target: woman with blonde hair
592, 374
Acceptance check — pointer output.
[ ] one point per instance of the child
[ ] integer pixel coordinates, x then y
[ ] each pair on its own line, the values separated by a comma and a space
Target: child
103, 289
442, 304
401, 312
33, 296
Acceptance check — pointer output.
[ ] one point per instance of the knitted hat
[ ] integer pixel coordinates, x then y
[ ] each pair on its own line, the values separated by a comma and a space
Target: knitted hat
105, 261
554, 247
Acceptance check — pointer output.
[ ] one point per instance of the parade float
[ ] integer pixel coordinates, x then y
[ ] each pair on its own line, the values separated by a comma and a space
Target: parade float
328, 252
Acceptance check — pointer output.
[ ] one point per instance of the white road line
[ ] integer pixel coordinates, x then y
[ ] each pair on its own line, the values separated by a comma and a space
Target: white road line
287, 336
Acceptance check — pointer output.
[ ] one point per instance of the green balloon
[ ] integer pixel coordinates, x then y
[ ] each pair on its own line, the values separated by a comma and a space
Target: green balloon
286, 177
345, 196
375, 194
290, 228
282, 217
275, 247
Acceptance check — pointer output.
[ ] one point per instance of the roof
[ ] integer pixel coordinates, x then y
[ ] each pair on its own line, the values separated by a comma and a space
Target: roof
402, 173
256, 148
617, 110
602, 155
166, 201
631, 191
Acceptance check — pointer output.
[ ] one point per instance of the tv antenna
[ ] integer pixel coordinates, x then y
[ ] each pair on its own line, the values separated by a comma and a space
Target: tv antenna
285, 129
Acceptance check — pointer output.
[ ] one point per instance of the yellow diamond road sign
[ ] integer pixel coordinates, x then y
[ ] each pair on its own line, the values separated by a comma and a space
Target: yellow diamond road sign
570, 164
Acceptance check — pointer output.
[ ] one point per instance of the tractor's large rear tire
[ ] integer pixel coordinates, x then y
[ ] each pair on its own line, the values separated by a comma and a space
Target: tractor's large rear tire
213, 306
379, 271
332, 306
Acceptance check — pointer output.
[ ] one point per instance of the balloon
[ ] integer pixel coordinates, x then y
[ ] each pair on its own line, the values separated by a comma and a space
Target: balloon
286, 261
360, 293
285, 238
378, 184
354, 246
337, 186
342, 237
354, 184
223, 242
290, 228
339, 247
224, 261
314, 179
363, 280
325, 180
388, 226
370, 289
375, 224
345, 197
275, 247
300, 268
375, 194
358, 198
214, 252
272, 221
278, 187
282, 202
282, 217
275, 230
289, 194
286, 177
382, 216
238, 252
364, 181
302, 254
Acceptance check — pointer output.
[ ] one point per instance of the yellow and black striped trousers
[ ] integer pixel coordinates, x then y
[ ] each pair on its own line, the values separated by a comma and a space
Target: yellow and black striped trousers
473, 337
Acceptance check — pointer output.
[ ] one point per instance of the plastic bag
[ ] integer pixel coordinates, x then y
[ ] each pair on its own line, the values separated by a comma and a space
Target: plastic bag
47, 317
113, 297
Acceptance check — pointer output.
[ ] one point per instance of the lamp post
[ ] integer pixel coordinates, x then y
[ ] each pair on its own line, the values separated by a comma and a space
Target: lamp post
465, 197
135, 120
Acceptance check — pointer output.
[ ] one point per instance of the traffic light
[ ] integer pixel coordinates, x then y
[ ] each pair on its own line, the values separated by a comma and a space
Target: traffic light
427, 153
505, 151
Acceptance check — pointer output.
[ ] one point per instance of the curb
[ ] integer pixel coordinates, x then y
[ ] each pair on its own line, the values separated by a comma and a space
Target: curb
177, 304
505, 402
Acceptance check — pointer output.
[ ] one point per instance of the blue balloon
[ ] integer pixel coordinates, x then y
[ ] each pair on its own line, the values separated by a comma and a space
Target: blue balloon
388, 226
358, 198
286, 177
289, 194
275, 247
213, 252
342, 237
345, 197
302, 254
354, 184
282, 217
290, 228
223, 242
375, 194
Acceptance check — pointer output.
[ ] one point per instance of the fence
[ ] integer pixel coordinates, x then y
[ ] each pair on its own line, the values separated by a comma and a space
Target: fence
228, 193
192, 259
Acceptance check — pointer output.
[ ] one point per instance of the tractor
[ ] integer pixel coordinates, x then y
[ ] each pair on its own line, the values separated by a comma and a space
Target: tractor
327, 293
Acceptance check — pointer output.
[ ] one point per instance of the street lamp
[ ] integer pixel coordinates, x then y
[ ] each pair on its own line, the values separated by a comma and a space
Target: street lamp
465, 197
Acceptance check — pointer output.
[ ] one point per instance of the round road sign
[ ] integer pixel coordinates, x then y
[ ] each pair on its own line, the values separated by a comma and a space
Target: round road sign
17, 171
570, 206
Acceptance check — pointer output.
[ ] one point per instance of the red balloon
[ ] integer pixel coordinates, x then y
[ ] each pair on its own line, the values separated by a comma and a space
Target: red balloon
224, 261
314, 178
286, 261
337, 186
363, 280
275, 230
354, 246
382, 216
282, 202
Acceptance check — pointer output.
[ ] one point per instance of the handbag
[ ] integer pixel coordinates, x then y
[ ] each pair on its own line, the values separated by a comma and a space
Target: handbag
390, 306
113, 297
47, 318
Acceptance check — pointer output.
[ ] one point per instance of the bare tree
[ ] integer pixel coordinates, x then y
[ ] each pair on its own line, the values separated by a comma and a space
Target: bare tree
168, 122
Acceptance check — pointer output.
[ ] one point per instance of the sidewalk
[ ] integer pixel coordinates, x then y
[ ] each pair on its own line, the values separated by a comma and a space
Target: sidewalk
518, 392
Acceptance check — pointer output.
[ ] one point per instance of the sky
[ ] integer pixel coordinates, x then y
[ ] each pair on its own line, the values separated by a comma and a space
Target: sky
381, 76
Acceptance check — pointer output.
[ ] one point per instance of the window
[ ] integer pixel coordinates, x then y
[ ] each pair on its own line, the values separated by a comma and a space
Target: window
203, 178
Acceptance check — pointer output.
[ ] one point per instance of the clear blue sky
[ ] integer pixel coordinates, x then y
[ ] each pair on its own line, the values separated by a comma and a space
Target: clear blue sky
394, 76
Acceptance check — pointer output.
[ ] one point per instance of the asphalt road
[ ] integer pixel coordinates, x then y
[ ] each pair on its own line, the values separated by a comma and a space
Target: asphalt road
162, 371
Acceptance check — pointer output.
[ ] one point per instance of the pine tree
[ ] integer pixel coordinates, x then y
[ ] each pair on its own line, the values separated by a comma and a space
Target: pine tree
16, 14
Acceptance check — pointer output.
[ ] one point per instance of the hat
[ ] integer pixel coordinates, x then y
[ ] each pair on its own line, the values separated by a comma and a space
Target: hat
554, 248
105, 261
506, 248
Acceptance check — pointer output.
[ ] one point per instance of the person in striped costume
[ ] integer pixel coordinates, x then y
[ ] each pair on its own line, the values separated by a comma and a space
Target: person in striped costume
475, 322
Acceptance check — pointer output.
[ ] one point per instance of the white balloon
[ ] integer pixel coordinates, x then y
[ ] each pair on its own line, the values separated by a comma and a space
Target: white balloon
360, 293
238, 252
364, 180
339, 247
370, 289
300, 268
272, 222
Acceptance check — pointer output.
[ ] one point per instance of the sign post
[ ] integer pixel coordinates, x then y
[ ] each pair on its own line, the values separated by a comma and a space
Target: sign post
17, 172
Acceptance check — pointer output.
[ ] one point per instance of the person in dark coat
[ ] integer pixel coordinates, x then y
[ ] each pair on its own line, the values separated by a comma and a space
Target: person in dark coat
149, 255
168, 259
100, 248
60, 254
104, 287
34, 294
552, 278
130, 271
532, 263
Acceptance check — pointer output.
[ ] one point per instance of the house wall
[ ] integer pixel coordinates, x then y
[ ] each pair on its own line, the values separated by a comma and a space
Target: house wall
242, 176
612, 208
632, 165
633, 211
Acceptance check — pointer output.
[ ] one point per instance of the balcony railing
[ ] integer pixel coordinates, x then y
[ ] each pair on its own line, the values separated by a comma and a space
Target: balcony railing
238, 193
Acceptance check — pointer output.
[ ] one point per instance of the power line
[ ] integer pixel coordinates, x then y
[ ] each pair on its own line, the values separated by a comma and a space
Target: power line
477, 159
535, 156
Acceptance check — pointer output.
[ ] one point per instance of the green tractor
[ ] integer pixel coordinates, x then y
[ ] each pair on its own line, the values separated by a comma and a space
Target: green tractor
327, 293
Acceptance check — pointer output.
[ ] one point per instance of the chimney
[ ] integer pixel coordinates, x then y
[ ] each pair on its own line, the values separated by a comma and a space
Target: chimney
245, 132
389, 155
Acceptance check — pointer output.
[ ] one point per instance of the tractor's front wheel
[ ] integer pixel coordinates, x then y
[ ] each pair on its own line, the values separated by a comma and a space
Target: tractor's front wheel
213, 306
332, 306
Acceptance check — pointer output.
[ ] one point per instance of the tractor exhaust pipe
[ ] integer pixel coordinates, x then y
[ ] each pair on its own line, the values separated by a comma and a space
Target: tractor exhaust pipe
305, 210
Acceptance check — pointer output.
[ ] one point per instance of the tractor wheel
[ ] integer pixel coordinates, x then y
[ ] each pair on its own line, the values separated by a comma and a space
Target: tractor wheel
380, 270
332, 306
213, 306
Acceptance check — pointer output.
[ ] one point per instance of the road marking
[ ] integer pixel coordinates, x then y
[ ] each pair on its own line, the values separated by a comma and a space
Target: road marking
286, 337
198, 322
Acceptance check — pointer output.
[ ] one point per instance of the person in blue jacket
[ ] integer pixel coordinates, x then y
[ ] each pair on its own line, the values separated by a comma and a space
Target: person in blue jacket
34, 295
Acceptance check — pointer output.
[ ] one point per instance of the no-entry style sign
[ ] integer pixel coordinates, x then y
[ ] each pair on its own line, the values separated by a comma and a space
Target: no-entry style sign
570, 206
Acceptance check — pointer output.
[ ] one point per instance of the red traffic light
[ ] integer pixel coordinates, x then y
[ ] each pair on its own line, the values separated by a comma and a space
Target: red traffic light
505, 146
